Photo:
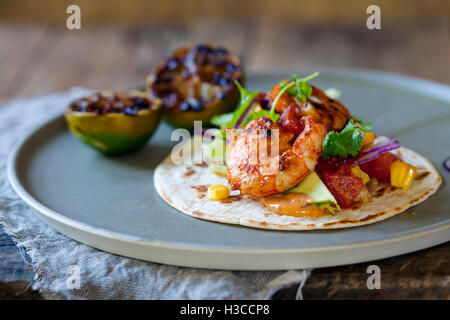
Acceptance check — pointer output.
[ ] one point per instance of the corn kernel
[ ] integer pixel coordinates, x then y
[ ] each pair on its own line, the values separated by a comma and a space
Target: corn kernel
357, 172
402, 174
369, 137
218, 192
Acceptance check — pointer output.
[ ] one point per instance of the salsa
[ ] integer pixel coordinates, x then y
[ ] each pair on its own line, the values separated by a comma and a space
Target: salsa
337, 176
380, 168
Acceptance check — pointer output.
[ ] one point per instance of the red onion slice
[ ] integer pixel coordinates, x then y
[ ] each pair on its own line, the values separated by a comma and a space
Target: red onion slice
382, 144
446, 164
244, 115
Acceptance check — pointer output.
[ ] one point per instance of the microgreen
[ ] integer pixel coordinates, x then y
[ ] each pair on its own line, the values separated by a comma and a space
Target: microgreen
297, 87
244, 113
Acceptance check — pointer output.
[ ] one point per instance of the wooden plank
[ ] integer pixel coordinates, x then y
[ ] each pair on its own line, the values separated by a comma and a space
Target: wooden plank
420, 275
18, 291
51, 59
135, 12
16, 55
33, 76
426, 54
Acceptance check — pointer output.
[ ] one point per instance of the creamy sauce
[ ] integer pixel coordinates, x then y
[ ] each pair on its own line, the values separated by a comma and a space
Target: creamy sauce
293, 204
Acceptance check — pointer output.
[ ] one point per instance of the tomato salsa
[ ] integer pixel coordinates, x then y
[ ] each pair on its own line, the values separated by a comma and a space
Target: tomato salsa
337, 176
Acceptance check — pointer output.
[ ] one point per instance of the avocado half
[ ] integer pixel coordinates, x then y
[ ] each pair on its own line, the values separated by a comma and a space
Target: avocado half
114, 133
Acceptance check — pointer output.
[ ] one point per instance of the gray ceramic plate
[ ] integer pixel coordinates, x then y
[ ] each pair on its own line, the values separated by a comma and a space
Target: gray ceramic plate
111, 204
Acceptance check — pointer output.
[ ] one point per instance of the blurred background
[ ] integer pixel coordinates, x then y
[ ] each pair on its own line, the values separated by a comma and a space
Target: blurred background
120, 42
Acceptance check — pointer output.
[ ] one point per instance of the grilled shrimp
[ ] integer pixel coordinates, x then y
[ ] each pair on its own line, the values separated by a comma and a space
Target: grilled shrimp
252, 154
331, 112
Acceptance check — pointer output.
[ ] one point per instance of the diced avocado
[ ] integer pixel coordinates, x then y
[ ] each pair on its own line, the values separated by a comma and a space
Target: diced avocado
219, 169
313, 186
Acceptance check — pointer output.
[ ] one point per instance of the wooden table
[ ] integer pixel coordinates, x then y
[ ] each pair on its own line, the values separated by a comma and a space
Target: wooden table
48, 58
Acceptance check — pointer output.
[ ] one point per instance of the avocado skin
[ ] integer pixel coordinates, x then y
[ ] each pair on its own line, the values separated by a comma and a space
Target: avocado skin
113, 144
114, 134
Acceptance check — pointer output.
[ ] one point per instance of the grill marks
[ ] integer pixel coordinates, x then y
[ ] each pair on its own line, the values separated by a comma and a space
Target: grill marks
385, 188
189, 172
201, 165
193, 77
201, 190
233, 198
108, 102
332, 113
422, 175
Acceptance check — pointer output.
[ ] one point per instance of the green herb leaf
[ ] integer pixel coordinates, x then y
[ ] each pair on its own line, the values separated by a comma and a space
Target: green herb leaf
298, 87
365, 126
222, 120
246, 98
302, 90
343, 144
229, 120
263, 113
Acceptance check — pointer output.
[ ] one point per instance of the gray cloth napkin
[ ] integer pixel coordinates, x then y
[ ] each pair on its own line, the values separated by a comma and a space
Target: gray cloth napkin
57, 260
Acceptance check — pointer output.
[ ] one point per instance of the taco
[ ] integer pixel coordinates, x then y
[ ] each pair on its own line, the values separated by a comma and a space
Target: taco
294, 158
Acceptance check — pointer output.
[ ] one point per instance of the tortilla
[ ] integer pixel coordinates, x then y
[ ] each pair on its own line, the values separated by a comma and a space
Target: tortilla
184, 187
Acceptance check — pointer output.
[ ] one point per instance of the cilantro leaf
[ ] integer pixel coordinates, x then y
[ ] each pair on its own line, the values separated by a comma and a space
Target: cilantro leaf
365, 126
343, 144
